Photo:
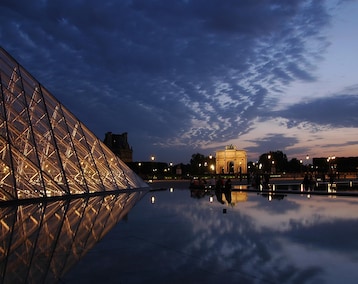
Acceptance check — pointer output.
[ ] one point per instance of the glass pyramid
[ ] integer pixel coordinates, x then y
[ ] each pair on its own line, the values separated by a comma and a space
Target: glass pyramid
45, 150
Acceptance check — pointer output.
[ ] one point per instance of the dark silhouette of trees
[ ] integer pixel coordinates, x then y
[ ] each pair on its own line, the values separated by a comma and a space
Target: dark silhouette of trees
294, 166
201, 165
273, 162
197, 162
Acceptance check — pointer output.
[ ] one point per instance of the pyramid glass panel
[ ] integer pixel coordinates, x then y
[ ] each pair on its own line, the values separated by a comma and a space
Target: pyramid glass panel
44, 149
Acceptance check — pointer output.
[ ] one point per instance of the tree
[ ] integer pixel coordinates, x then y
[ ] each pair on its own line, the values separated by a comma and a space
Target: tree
294, 166
197, 163
200, 164
273, 162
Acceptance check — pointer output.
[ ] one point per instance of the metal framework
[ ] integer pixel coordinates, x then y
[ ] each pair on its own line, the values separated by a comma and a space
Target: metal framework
44, 149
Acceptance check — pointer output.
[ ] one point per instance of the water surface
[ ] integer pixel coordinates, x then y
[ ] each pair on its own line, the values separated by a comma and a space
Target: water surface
183, 237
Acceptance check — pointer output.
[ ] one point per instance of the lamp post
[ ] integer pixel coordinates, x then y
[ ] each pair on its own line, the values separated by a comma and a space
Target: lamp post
330, 160
171, 168
212, 167
152, 158
307, 163
269, 163
139, 167
331, 170
273, 169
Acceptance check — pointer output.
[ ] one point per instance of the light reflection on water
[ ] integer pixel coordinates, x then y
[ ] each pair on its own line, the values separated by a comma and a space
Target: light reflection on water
179, 238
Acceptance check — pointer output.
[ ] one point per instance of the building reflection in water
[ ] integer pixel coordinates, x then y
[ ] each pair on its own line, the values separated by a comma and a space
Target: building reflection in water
229, 197
40, 242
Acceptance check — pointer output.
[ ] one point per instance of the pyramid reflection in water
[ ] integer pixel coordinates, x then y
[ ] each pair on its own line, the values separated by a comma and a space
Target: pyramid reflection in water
45, 150
40, 242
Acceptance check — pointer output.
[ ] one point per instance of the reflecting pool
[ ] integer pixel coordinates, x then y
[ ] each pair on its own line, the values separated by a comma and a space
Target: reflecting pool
40, 241
178, 236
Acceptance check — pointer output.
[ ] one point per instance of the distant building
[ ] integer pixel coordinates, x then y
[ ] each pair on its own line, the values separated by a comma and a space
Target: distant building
335, 164
231, 161
118, 143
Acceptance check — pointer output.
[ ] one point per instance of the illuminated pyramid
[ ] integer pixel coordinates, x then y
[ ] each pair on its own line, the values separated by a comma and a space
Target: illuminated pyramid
44, 149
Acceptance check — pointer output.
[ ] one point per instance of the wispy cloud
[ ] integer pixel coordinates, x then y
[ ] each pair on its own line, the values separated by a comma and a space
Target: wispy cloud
185, 73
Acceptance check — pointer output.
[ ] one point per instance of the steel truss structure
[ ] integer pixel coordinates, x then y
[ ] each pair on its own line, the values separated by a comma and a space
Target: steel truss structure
45, 150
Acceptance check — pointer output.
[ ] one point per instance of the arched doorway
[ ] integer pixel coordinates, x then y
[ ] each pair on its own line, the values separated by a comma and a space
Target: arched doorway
231, 167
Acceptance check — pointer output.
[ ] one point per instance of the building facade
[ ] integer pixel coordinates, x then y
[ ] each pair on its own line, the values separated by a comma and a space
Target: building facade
118, 143
231, 161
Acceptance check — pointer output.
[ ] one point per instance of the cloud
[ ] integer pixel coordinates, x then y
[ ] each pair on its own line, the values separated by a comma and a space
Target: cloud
170, 73
272, 142
337, 111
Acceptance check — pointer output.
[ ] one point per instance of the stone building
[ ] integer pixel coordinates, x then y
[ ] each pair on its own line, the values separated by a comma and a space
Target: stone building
231, 161
118, 143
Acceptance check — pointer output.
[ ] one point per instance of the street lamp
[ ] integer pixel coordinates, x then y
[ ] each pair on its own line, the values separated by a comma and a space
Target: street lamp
171, 168
271, 162
331, 170
152, 158
273, 170
139, 167
212, 167
330, 160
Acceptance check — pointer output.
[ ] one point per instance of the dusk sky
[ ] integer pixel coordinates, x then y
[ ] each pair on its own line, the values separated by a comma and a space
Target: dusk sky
185, 77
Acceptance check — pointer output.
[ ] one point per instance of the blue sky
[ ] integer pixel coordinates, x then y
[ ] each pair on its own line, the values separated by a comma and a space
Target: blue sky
185, 77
